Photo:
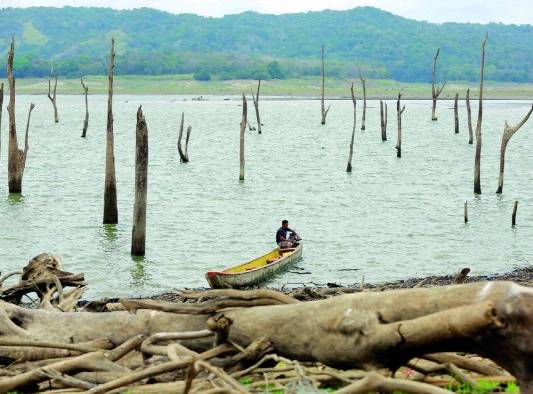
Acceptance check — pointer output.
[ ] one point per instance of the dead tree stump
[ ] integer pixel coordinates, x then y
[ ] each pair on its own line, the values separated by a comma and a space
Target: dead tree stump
469, 114
513, 218
255, 99
138, 237
363, 83
241, 145
477, 163
456, 113
86, 120
323, 109
110, 191
435, 90
383, 116
16, 161
508, 132
349, 166
52, 93
184, 152
399, 112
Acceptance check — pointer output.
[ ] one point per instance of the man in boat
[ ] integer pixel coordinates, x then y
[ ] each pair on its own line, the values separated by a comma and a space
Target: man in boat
284, 241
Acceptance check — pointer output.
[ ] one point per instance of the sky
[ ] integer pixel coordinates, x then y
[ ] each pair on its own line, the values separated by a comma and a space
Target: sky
476, 11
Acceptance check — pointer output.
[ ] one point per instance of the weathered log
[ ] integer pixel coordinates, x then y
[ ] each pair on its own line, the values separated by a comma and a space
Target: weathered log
477, 162
399, 112
349, 166
469, 114
363, 83
513, 218
383, 117
110, 189
323, 110
184, 152
86, 120
52, 93
16, 161
138, 236
435, 90
255, 98
465, 363
508, 132
456, 113
241, 144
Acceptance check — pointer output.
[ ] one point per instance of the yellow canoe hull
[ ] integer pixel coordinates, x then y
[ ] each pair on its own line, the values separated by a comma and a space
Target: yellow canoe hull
255, 271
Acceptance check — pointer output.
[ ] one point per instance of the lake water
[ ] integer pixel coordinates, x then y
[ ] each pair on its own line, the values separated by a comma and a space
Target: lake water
390, 219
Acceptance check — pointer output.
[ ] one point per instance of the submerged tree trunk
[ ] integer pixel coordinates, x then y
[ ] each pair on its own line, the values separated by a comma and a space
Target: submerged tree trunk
255, 99
508, 132
16, 161
363, 83
349, 166
110, 191
241, 145
477, 163
383, 117
52, 94
323, 109
138, 237
86, 121
435, 90
399, 113
184, 152
469, 114
456, 113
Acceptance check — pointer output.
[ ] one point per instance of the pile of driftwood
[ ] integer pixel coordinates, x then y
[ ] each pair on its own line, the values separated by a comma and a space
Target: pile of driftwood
421, 340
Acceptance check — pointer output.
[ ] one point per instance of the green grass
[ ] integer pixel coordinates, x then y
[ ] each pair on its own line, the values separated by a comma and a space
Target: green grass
307, 87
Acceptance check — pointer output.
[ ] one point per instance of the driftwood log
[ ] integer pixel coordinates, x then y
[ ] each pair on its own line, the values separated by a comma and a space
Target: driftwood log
354, 101
435, 90
110, 189
508, 132
323, 110
469, 115
86, 120
138, 236
477, 162
52, 93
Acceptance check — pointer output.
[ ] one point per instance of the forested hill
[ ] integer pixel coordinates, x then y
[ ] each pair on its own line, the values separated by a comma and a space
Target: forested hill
253, 45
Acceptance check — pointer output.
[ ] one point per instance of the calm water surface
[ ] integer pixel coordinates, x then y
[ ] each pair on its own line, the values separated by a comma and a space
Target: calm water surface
391, 218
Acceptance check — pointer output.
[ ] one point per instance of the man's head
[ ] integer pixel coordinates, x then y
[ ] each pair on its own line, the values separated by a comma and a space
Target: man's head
285, 223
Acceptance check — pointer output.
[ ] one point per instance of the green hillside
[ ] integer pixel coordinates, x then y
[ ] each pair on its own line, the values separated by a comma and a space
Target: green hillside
253, 45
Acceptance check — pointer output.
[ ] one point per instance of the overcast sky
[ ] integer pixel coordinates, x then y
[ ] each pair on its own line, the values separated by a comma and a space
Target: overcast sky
481, 11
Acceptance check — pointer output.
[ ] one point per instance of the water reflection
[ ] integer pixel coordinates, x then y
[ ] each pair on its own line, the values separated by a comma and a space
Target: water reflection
15, 198
139, 276
110, 232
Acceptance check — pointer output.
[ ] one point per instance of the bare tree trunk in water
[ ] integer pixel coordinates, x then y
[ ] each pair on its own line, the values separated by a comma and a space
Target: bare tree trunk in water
16, 161
110, 191
513, 218
1, 109
508, 132
469, 113
383, 117
477, 164
456, 113
184, 154
363, 82
52, 94
323, 109
138, 237
349, 167
399, 113
243, 129
255, 98
86, 121
435, 90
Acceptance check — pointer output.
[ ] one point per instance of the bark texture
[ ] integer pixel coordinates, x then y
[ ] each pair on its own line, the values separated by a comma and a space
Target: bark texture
52, 93
241, 143
508, 132
323, 110
138, 236
399, 112
469, 115
86, 120
354, 101
255, 98
435, 89
477, 162
110, 189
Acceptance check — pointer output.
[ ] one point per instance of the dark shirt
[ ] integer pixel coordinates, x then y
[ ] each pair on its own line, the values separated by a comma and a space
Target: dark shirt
281, 234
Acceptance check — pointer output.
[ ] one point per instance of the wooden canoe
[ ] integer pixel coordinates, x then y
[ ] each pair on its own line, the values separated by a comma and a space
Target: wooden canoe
254, 271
